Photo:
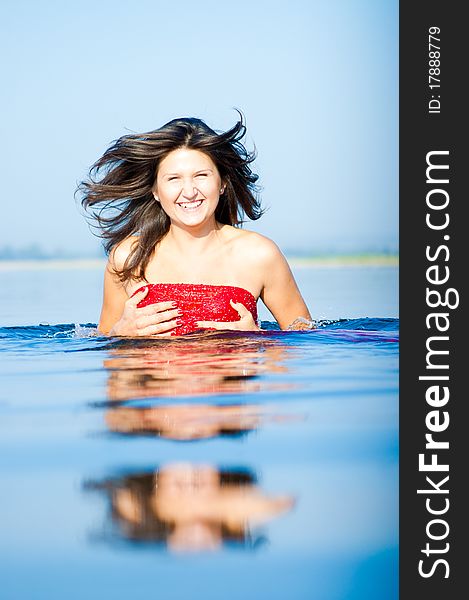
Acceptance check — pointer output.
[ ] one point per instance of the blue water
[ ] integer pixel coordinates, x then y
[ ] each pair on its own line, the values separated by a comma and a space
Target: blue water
223, 465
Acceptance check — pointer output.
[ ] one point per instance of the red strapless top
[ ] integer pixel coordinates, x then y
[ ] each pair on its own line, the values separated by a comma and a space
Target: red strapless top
199, 302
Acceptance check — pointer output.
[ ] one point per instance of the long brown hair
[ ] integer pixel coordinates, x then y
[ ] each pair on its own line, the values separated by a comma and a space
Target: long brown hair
119, 188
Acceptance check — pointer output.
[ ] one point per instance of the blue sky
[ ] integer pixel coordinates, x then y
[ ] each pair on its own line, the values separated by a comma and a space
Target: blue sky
316, 79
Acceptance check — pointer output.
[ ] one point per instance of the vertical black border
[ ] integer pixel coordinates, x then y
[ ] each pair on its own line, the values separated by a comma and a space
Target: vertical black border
421, 132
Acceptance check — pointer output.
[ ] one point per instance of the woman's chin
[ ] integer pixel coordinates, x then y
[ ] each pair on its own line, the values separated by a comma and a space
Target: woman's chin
194, 219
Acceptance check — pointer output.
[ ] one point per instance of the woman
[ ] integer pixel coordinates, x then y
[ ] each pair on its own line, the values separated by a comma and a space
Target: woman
178, 261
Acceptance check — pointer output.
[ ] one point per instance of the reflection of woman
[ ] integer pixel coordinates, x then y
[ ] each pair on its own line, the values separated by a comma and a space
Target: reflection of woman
188, 421
193, 366
190, 507
177, 260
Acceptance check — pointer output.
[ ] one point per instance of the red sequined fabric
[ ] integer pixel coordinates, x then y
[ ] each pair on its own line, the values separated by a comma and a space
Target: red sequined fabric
200, 302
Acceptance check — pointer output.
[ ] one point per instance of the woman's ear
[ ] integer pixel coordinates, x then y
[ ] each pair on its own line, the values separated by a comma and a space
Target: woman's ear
155, 195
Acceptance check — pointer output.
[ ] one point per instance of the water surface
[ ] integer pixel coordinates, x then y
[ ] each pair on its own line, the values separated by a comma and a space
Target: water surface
259, 465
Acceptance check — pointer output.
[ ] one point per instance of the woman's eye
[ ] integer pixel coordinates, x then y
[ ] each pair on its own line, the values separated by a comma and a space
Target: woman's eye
172, 179
202, 175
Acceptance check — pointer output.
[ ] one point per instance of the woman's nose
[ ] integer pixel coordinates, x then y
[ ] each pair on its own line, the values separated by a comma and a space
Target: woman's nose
189, 190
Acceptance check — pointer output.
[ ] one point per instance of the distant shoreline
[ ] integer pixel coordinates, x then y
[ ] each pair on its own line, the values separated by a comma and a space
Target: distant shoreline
319, 262
345, 260
51, 264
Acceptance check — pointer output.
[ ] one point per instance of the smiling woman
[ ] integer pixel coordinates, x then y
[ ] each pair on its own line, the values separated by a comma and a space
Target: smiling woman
188, 180
178, 260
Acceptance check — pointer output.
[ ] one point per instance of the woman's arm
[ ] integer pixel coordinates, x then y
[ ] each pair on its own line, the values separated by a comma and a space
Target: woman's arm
114, 299
268, 271
120, 314
280, 293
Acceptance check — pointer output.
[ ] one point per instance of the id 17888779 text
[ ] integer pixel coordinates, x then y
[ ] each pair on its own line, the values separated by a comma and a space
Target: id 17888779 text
434, 104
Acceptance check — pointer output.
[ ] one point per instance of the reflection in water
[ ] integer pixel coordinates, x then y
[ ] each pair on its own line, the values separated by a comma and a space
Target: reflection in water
190, 421
197, 365
190, 508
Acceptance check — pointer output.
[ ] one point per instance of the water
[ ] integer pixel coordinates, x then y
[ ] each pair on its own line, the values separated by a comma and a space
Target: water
226, 465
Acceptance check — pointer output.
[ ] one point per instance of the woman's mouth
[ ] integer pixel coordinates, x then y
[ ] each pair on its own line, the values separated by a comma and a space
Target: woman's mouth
192, 205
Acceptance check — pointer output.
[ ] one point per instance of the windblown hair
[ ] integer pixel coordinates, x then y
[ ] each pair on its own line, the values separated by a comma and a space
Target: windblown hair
119, 188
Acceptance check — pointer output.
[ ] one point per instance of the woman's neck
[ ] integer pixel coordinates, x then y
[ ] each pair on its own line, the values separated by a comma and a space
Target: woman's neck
193, 241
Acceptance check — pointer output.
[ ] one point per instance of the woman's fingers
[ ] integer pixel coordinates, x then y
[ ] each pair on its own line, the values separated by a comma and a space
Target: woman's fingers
245, 323
153, 309
138, 297
240, 309
162, 317
155, 318
135, 300
161, 329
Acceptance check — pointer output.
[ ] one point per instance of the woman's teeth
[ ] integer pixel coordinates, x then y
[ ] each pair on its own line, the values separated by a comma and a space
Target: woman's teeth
190, 205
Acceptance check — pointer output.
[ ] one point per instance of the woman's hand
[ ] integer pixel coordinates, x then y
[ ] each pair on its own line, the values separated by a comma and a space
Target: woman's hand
245, 323
154, 320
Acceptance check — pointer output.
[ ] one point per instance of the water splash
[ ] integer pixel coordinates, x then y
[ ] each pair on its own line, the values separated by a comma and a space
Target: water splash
82, 337
89, 330
85, 331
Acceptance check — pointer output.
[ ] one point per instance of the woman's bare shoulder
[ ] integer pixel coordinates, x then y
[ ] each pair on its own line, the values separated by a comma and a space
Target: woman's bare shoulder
257, 246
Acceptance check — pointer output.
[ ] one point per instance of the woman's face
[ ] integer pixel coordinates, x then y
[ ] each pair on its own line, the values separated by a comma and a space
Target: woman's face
188, 186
